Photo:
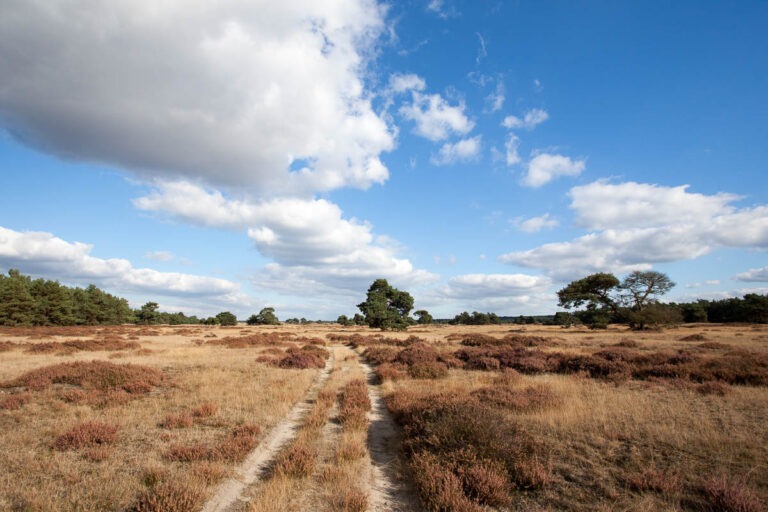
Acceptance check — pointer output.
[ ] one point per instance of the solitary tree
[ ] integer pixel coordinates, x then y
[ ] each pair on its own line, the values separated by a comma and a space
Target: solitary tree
423, 317
148, 313
607, 298
265, 317
386, 307
226, 318
343, 320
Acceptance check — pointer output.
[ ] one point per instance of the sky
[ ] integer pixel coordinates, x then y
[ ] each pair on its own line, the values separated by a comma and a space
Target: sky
232, 155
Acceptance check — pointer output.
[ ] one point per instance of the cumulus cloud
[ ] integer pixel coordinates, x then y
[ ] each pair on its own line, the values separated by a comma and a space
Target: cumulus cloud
400, 83
463, 150
41, 253
754, 275
511, 147
268, 96
435, 118
308, 239
689, 226
546, 167
534, 224
529, 121
502, 293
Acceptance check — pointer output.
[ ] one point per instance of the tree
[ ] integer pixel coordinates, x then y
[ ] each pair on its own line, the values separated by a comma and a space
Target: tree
226, 318
16, 303
265, 317
343, 320
148, 313
386, 307
423, 317
607, 299
358, 319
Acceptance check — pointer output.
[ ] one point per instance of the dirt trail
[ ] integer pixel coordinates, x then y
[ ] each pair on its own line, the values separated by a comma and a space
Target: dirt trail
388, 492
228, 494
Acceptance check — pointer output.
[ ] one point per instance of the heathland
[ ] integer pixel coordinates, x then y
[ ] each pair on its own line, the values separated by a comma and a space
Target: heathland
438, 417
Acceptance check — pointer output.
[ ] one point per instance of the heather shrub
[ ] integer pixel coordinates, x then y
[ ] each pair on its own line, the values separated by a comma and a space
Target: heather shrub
298, 460
653, 479
476, 339
391, 371
428, 370
417, 353
98, 375
732, 495
520, 400
350, 500
13, 402
714, 345
238, 444
379, 355
693, 337
205, 410
354, 404
627, 343
303, 359
189, 452
713, 387
483, 363
168, 497
173, 421
86, 435
439, 488
507, 377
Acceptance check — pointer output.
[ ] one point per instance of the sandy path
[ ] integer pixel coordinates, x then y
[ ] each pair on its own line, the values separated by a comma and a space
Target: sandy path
388, 492
228, 493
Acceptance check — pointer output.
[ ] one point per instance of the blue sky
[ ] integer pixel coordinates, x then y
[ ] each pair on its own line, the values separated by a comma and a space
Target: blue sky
480, 155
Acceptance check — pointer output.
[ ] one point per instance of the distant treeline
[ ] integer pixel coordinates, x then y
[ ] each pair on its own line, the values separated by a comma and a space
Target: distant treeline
25, 301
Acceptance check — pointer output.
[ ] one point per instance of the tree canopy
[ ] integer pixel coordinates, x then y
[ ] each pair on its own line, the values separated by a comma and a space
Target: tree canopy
386, 307
634, 300
265, 317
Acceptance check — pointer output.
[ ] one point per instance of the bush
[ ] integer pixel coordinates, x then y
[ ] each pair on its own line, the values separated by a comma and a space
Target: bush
417, 353
391, 371
732, 495
168, 497
354, 404
379, 355
428, 370
86, 435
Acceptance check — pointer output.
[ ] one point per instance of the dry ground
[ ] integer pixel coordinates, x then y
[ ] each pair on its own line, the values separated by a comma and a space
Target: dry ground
196, 401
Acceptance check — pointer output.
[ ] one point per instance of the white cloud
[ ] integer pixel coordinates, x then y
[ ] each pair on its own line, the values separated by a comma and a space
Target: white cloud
400, 83
602, 205
511, 147
482, 52
159, 256
688, 226
40, 253
465, 149
504, 294
443, 11
534, 224
308, 239
530, 120
269, 96
495, 100
754, 275
545, 167
435, 118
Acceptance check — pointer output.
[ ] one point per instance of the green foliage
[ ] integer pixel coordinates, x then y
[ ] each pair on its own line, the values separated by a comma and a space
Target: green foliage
476, 318
386, 307
423, 317
24, 301
226, 318
752, 308
358, 319
343, 320
148, 313
609, 300
266, 317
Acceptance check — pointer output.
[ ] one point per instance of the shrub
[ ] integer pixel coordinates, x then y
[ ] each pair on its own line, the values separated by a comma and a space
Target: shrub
353, 405
379, 355
653, 479
391, 371
528, 399
189, 452
299, 460
428, 370
99, 375
350, 499
173, 421
439, 488
417, 353
13, 402
238, 444
713, 388
168, 497
85, 435
693, 337
205, 410
732, 495
301, 360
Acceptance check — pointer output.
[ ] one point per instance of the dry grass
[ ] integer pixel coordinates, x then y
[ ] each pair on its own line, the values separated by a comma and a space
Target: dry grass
612, 420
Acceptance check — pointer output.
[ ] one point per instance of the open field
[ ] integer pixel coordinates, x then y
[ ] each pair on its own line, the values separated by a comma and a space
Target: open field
497, 417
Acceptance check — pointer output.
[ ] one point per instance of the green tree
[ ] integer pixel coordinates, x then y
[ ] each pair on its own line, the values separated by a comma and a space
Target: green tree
52, 305
423, 317
17, 305
226, 318
265, 317
386, 307
343, 320
358, 319
148, 313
